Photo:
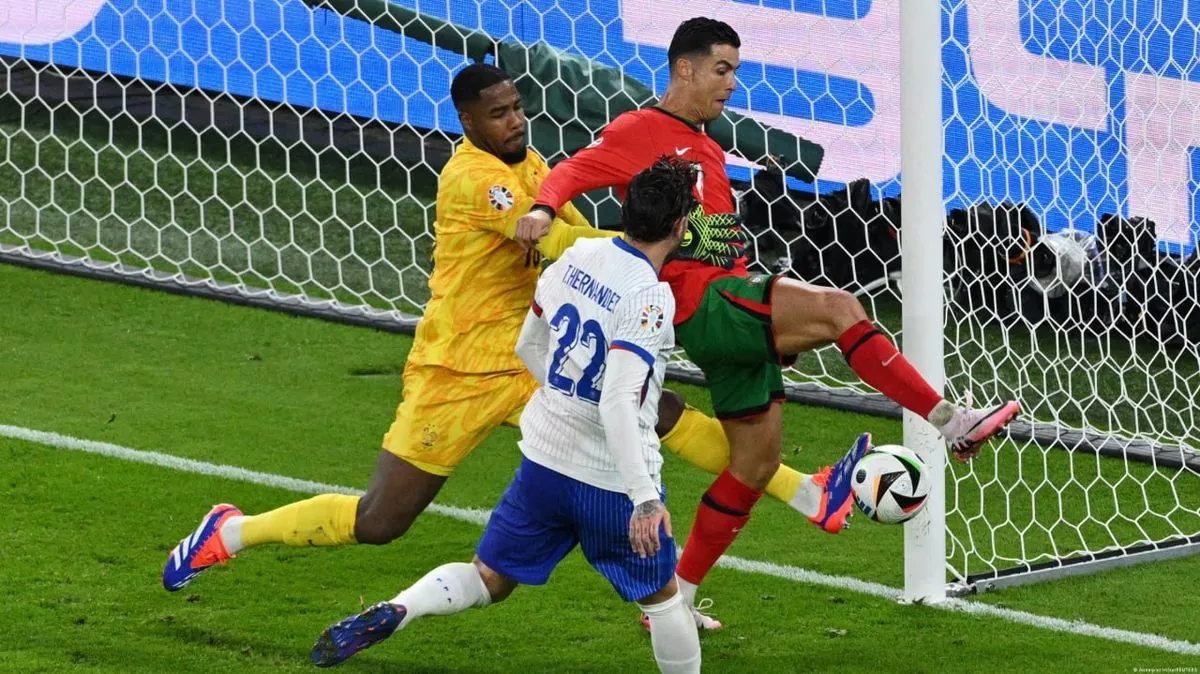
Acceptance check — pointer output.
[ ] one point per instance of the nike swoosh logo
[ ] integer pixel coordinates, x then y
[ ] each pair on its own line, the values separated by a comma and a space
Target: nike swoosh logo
889, 360
679, 152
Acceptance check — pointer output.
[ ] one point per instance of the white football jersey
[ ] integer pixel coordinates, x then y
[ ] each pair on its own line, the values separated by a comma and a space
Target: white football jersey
601, 294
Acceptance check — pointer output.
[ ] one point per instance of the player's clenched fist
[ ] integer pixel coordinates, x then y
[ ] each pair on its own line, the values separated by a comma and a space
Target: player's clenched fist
643, 527
531, 227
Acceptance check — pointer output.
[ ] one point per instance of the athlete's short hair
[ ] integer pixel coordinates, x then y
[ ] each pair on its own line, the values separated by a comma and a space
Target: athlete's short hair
656, 199
472, 80
697, 36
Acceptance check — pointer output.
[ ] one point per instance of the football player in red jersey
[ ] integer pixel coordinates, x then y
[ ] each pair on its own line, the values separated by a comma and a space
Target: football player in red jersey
740, 328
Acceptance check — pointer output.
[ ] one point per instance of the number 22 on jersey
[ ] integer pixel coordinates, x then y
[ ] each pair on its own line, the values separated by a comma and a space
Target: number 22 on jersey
574, 333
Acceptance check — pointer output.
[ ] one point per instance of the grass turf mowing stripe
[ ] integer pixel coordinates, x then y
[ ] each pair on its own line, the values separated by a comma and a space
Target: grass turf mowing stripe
479, 516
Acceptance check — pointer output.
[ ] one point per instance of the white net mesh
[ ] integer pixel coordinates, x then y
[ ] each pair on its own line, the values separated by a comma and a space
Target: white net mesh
1073, 113
281, 151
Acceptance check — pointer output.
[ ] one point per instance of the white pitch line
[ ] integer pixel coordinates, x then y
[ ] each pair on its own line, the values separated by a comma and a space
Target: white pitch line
480, 517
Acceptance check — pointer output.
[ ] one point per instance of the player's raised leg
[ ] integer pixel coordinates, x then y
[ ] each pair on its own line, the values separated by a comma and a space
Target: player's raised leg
806, 317
730, 337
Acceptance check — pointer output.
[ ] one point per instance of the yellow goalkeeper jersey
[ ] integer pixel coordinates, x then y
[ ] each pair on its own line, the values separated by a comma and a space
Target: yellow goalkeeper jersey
483, 281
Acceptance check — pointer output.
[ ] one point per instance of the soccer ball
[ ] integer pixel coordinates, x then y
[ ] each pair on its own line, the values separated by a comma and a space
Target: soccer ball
890, 484
1070, 262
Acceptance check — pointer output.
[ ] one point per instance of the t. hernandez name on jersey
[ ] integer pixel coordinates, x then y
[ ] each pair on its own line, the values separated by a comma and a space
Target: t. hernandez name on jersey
587, 286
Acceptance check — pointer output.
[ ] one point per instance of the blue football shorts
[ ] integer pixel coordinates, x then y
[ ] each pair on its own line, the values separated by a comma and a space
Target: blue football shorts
544, 514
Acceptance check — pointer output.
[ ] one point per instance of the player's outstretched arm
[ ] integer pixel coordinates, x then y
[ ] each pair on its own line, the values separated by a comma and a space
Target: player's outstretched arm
562, 236
618, 154
494, 200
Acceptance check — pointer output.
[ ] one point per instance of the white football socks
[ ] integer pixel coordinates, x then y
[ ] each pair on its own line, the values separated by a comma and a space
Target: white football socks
941, 415
687, 591
231, 535
807, 499
448, 589
674, 636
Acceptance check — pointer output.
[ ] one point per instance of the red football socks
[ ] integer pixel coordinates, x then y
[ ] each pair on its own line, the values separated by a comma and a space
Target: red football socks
724, 510
877, 362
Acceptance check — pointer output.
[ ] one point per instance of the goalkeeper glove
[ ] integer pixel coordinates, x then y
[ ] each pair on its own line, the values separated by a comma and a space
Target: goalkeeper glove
718, 239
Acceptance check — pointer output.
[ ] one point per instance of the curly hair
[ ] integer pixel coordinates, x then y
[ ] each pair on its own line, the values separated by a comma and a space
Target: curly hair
656, 199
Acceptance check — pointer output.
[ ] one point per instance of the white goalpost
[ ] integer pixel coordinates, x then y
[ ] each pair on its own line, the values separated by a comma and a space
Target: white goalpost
921, 288
1009, 187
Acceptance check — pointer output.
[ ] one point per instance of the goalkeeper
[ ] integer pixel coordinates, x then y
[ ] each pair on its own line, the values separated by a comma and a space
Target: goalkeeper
463, 378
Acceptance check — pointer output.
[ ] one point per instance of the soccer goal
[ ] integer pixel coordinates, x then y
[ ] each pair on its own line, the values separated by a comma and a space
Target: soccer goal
1008, 187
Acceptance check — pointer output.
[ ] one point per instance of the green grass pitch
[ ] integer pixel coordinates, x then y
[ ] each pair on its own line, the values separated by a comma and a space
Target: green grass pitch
84, 537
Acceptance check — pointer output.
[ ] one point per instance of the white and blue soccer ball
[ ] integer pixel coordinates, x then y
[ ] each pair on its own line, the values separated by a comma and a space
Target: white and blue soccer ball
890, 484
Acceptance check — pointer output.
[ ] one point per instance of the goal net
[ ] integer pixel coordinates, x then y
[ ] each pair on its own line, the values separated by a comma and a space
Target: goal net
285, 153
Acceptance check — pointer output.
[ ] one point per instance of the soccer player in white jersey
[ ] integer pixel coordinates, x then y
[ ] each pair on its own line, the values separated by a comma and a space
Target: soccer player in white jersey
597, 339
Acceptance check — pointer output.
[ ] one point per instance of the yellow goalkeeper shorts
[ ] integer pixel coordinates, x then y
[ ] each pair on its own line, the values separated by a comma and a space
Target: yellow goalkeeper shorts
446, 414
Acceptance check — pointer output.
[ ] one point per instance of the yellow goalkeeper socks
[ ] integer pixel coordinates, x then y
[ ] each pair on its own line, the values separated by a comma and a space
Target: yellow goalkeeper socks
785, 483
323, 520
700, 440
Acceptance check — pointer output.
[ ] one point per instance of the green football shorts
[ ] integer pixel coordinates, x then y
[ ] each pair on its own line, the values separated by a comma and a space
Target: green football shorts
731, 339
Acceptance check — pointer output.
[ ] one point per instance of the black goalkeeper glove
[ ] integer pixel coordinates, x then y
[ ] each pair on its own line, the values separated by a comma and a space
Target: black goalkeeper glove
718, 239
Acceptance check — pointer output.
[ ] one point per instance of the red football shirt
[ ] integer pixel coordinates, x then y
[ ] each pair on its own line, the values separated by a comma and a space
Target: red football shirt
627, 146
